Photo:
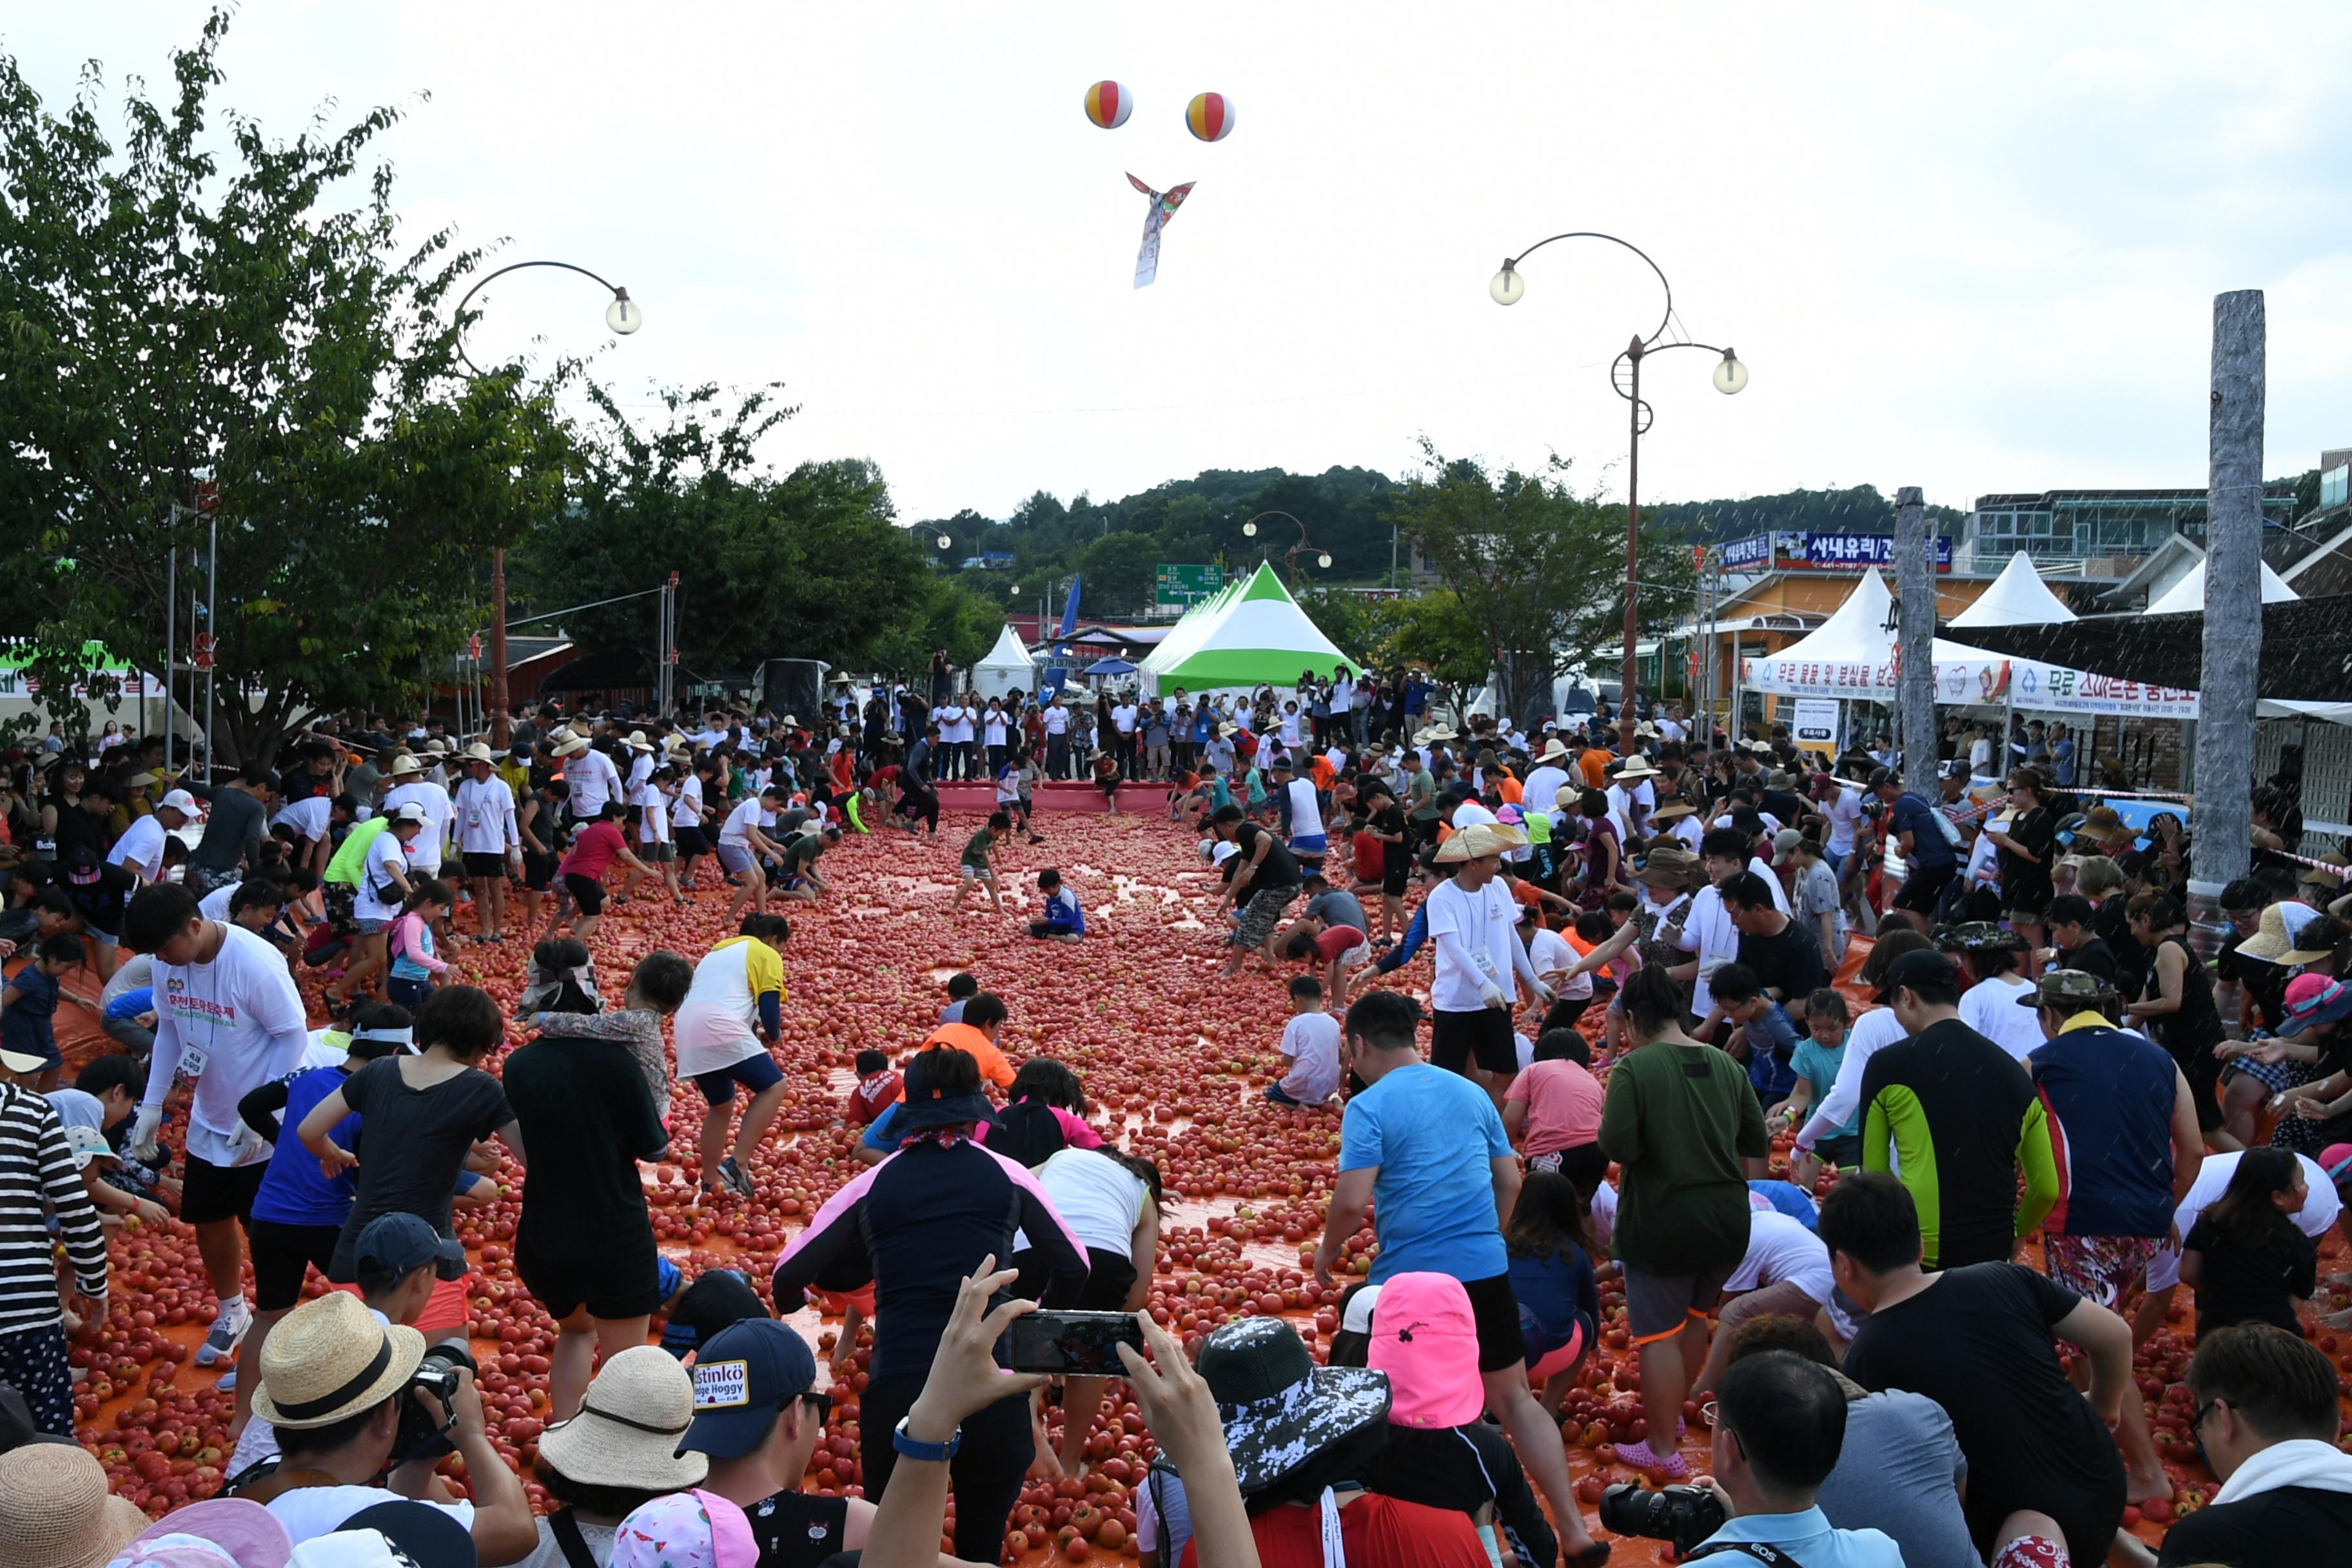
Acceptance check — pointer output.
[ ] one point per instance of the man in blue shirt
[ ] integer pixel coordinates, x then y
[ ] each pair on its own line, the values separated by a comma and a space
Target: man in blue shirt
1779, 1424
1426, 1149
1929, 862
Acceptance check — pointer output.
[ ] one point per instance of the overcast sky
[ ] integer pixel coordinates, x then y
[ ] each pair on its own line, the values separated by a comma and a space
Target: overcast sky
1973, 247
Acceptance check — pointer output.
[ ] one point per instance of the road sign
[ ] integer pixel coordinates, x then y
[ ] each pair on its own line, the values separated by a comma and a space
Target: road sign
474, 648
201, 653
1179, 585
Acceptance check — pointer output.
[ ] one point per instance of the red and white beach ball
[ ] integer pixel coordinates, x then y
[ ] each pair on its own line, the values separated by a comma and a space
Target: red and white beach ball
1210, 116
1107, 105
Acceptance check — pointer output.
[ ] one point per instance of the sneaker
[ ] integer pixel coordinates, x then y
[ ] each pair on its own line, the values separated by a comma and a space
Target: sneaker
227, 1385
1673, 1466
227, 1333
733, 1174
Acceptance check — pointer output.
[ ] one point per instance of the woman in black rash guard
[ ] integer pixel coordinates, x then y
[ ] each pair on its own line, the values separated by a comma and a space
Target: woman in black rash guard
927, 1215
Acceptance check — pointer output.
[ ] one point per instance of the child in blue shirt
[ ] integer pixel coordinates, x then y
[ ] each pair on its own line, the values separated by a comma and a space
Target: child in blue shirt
1065, 921
1767, 1040
28, 1004
1819, 1056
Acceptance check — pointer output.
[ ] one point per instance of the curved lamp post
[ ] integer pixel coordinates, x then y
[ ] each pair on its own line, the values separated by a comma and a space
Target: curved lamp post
1730, 377
623, 316
1291, 555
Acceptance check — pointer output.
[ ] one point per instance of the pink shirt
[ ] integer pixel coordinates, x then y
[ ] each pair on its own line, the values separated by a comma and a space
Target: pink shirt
1077, 1132
1564, 1103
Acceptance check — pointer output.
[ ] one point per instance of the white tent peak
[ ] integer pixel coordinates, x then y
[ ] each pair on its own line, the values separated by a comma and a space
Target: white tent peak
2188, 596
1855, 633
2018, 597
1007, 667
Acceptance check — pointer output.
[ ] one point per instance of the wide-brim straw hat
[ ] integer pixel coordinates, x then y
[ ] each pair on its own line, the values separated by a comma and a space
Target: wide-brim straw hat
479, 753
1435, 732
1669, 810
1481, 840
2331, 873
571, 745
405, 766
1638, 768
627, 1429
1552, 748
2102, 824
637, 741
329, 1358
55, 1511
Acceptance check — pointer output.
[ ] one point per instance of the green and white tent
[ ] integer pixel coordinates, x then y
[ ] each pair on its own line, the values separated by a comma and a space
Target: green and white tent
1252, 633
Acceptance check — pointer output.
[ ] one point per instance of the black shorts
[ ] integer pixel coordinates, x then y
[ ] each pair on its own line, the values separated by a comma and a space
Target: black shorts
588, 892
215, 1193
281, 1255
1396, 871
1496, 1311
538, 870
563, 1290
689, 840
1483, 1037
1110, 1278
485, 865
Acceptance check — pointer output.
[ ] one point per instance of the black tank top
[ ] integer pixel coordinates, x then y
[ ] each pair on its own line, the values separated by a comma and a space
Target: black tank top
2196, 1028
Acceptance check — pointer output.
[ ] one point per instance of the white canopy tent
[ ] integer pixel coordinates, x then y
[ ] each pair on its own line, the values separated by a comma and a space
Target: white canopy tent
1852, 655
1008, 667
2018, 597
2188, 596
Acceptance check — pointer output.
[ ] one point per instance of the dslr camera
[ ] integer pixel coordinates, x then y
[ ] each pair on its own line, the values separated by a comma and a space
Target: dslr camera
1683, 1515
424, 1430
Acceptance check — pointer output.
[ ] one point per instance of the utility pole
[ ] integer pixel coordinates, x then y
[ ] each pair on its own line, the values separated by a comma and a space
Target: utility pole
498, 650
1915, 685
2222, 850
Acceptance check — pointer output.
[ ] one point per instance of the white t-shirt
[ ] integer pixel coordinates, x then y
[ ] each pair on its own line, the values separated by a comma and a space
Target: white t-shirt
311, 1511
641, 768
425, 849
1311, 1041
214, 906
746, 816
593, 781
1707, 931
1541, 790
1289, 728
311, 818
1122, 717
1604, 1213
1844, 808
1688, 830
486, 817
232, 1024
715, 1024
1483, 923
1057, 719
385, 854
141, 848
1099, 1200
1989, 1007
1549, 952
1871, 1033
653, 821
686, 811
1780, 1249
2318, 1212
1306, 811
992, 727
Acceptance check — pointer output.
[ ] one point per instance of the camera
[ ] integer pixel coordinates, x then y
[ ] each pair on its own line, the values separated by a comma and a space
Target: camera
1683, 1515
422, 1433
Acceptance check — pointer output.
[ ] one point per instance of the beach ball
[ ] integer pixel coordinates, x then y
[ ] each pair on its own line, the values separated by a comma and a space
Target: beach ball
1210, 116
1107, 105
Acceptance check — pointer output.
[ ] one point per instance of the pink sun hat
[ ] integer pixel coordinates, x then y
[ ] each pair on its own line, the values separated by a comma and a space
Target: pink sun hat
1425, 1338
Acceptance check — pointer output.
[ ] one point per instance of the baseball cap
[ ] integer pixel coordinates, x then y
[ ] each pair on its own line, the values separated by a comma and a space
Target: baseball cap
412, 812
742, 1377
1958, 768
1914, 969
83, 866
398, 1243
179, 800
1881, 777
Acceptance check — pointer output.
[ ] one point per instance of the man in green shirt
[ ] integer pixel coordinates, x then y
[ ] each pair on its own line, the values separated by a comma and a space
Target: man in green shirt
1678, 1119
800, 879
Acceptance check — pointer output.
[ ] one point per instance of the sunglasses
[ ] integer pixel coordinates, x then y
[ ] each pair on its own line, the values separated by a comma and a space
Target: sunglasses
820, 1402
2197, 1422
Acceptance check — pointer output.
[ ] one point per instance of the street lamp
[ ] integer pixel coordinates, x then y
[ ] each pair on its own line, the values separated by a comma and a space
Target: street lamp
1508, 288
624, 316
1322, 557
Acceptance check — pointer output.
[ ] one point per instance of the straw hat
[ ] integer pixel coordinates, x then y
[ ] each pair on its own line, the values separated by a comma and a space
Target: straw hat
1433, 733
1669, 810
2101, 825
1638, 768
405, 766
2321, 876
142, 780
55, 1511
1479, 840
479, 753
571, 745
637, 741
2275, 938
329, 1358
436, 747
1552, 748
627, 1428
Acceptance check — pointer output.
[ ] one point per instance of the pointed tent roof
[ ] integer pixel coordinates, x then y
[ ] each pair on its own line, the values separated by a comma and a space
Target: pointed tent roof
1007, 666
1251, 632
2018, 597
2188, 594
1851, 654
1010, 653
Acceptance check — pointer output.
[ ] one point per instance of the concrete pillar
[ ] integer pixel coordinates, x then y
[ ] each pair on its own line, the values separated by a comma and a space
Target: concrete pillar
2223, 811
1914, 697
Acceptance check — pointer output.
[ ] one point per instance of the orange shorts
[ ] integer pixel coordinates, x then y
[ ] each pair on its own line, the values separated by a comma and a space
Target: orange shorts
836, 1303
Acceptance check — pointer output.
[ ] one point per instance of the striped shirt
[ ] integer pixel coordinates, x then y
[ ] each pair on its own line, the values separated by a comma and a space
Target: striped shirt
35, 1173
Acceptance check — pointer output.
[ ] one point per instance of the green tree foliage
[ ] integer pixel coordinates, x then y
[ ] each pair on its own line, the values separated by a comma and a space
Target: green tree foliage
1860, 510
171, 316
1538, 569
811, 563
1433, 630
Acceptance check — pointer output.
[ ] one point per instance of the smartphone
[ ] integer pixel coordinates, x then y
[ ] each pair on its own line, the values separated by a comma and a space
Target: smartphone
1078, 1344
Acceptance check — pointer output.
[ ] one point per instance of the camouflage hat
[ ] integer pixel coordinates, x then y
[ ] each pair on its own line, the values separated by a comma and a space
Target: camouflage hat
1979, 936
2071, 991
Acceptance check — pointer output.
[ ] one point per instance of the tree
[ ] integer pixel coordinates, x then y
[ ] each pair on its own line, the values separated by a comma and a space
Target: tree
170, 335
1538, 569
1432, 629
1119, 571
810, 564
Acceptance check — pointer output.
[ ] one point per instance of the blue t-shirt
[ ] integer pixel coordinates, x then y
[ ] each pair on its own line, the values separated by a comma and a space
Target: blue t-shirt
130, 1004
1917, 818
1432, 1134
25, 1025
1789, 1199
1771, 1041
1557, 1298
1818, 1065
293, 1191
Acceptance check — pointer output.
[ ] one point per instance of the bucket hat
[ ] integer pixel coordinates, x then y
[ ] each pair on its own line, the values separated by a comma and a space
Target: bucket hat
2313, 1000
55, 1511
626, 1431
1278, 1408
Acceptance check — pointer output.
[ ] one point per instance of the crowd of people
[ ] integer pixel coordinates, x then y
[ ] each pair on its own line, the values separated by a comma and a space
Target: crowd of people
1976, 1019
